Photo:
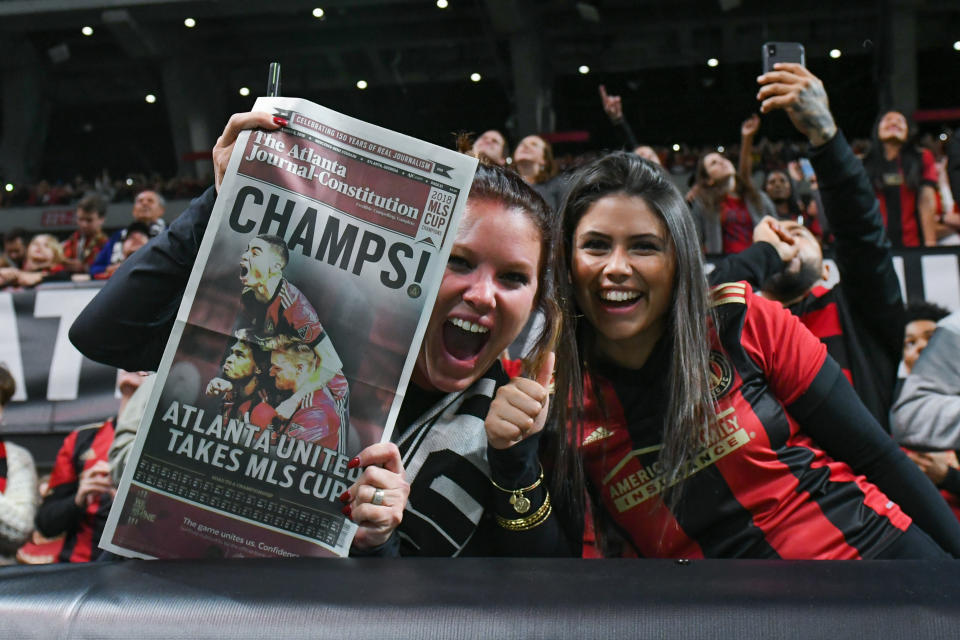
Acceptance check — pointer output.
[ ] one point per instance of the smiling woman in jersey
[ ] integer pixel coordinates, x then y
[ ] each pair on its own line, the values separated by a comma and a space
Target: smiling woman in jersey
712, 423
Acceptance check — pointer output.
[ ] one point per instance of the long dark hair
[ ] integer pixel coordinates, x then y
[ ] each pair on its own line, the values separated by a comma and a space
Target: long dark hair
793, 202
711, 194
690, 405
911, 163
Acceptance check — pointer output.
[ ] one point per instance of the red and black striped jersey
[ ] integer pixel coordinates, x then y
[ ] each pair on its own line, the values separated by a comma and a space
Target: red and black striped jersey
287, 313
819, 313
322, 416
760, 486
58, 513
898, 201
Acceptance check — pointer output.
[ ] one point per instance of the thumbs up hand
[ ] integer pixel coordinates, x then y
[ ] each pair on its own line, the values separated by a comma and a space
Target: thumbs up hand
520, 408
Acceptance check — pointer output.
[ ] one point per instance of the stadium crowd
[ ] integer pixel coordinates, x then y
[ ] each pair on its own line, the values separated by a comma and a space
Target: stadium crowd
650, 358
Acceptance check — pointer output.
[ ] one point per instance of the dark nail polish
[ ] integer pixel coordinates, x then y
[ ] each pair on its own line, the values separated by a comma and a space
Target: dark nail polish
345, 496
353, 464
280, 121
347, 511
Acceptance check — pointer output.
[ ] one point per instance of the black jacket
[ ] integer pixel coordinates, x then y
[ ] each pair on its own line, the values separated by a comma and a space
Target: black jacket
868, 301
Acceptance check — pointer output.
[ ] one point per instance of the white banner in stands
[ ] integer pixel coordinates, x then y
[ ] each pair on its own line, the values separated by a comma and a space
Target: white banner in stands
58, 389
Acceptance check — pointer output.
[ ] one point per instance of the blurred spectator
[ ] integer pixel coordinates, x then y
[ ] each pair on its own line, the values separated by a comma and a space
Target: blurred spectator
18, 485
148, 209
82, 247
783, 187
780, 189
38, 549
492, 145
940, 466
726, 207
136, 235
922, 318
128, 422
44, 262
14, 248
613, 107
81, 491
926, 416
952, 153
646, 151
905, 179
947, 211
948, 174
533, 160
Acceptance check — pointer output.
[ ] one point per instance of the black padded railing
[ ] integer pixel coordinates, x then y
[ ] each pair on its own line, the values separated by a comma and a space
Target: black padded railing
482, 598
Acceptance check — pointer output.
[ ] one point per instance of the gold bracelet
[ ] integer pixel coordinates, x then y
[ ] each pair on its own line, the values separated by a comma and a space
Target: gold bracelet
524, 524
520, 503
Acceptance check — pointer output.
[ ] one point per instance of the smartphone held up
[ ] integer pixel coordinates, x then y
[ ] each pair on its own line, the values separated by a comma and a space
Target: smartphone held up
774, 52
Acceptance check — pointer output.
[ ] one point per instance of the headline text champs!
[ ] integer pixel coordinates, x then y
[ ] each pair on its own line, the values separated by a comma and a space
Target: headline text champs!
238, 446
340, 245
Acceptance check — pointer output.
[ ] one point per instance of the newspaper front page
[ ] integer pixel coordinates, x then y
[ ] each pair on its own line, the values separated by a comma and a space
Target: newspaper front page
296, 338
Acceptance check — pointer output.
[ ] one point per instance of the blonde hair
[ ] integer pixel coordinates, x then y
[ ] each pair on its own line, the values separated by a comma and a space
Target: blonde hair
52, 243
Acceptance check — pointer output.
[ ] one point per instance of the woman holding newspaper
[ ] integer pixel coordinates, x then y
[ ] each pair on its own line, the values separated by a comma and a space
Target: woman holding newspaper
450, 483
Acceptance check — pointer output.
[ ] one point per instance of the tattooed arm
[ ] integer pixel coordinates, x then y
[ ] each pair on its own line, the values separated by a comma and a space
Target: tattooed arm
794, 89
862, 250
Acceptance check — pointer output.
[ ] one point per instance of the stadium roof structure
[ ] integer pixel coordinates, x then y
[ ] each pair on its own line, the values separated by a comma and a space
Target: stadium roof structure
537, 63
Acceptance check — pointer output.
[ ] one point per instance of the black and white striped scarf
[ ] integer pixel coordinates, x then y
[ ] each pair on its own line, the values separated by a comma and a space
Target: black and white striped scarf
444, 453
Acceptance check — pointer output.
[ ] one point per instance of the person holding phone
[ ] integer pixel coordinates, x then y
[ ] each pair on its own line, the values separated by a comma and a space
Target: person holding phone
861, 318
